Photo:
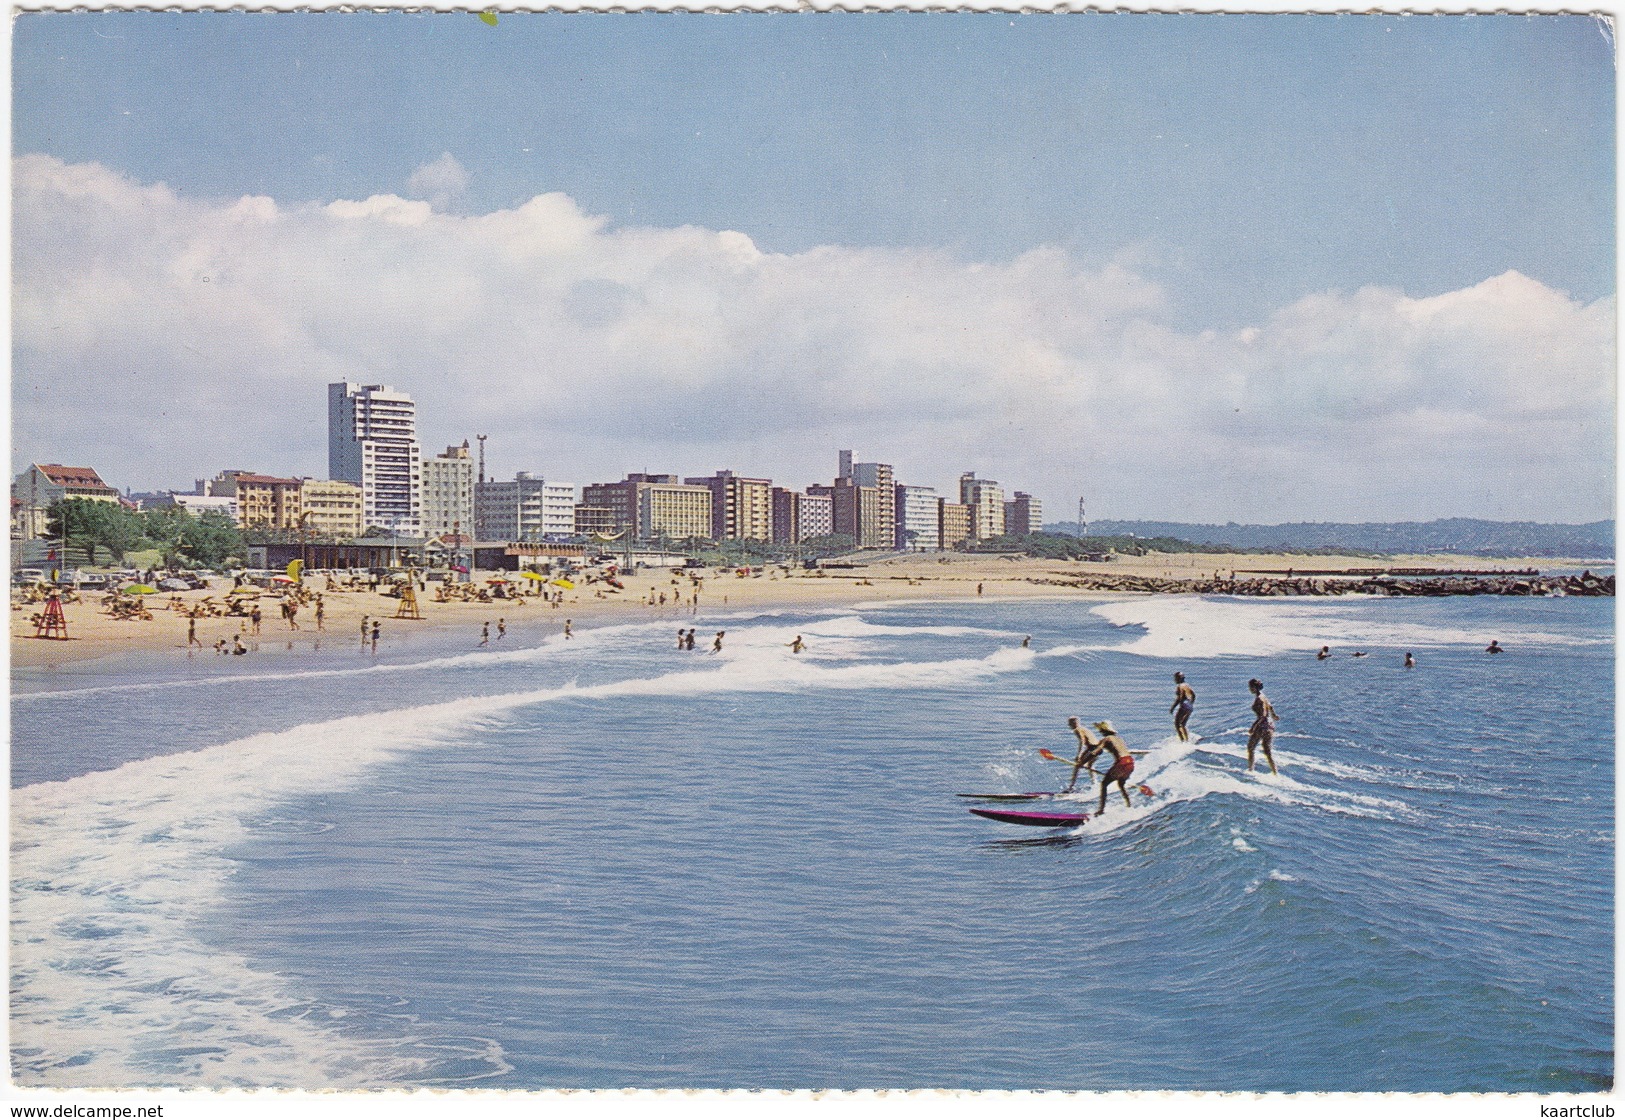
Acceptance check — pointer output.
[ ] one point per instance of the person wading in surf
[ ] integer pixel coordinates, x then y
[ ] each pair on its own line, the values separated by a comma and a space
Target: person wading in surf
1184, 705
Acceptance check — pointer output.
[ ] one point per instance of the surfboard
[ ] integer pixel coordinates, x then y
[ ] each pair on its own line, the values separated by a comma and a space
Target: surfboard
1009, 796
1038, 820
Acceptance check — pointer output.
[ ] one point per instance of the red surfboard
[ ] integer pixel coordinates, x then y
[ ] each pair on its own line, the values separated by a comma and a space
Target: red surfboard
1038, 820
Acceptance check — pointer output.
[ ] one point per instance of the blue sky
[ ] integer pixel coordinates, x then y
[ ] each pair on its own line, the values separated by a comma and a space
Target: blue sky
1237, 164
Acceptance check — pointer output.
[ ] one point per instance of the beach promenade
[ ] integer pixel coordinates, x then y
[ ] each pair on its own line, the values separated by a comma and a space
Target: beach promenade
93, 633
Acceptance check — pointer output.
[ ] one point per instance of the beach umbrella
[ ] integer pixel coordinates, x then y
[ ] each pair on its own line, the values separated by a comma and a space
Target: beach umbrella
174, 585
140, 589
499, 579
532, 575
244, 591
564, 583
283, 579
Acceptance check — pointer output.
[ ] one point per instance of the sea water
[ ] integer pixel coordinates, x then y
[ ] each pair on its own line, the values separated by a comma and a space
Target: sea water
603, 862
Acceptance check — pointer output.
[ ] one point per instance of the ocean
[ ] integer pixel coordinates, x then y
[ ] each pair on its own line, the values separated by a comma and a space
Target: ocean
606, 863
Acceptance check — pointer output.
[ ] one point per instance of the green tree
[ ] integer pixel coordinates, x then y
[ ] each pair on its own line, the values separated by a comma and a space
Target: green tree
210, 538
830, 544
90, 525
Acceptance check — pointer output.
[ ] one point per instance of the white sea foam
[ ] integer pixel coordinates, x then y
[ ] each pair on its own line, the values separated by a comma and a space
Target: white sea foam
110, 870
1202, 627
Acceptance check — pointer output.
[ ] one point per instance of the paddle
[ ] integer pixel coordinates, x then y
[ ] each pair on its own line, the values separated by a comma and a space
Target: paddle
1045, 752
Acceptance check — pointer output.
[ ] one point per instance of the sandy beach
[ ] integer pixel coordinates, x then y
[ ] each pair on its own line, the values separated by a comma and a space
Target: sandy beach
94, 633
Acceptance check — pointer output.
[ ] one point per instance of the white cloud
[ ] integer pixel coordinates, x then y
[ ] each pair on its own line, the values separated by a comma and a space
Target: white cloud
585, 350
443, 182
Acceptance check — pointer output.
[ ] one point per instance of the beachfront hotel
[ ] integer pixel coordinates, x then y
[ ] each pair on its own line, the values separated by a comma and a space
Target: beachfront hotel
42, 485
263, 501
527, 509
741, 508
918, 519
1024, 515
372, 441
332, 508
986, 501
448, 493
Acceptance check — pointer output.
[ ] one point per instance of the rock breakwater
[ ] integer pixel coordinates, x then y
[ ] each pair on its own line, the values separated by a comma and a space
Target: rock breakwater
1519, 584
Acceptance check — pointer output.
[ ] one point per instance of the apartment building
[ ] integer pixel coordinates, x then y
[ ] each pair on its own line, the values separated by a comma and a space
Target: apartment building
986, 501
263, 501
953, 523
448, 493
1023, 515
333, 508
741, 508
918, 519
527, 509
372, 441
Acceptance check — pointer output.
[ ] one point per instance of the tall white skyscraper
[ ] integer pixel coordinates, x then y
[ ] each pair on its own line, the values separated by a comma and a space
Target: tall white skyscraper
372, 441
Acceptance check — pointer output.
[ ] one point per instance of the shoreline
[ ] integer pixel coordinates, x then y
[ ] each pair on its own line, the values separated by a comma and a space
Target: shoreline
95, 636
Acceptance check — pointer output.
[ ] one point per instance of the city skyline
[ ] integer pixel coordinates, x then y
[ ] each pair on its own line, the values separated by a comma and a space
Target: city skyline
1360, 278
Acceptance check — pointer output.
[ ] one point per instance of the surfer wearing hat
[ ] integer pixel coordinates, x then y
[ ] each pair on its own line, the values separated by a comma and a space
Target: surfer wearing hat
1121, 768
1263, 729
1184, 705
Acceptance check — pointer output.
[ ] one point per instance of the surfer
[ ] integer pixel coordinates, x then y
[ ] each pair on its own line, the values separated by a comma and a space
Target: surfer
1184, 705
1263, 729
1088, 751
1121, 769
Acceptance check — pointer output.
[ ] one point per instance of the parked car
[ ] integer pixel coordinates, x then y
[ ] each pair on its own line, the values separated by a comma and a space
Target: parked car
28, 575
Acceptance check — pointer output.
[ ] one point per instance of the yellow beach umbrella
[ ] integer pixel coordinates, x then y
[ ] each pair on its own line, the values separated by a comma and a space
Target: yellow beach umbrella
564, 583
532, 575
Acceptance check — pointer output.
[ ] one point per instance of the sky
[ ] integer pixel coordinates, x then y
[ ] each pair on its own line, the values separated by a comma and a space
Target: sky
1187, 267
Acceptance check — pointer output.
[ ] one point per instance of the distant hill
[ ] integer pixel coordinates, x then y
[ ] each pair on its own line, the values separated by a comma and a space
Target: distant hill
1462, 535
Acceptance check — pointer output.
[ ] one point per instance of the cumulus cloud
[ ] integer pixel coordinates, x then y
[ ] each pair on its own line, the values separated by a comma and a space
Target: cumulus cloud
585, 350
443, 182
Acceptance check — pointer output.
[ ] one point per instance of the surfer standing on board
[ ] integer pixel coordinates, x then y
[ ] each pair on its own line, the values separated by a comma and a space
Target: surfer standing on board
1121, 769
1088, 751
1184, 705
1263, 729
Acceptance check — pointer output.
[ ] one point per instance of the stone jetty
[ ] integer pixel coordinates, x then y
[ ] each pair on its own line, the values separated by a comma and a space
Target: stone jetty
1520, 583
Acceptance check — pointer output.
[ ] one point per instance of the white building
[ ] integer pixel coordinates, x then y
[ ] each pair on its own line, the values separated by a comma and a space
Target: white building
448, 493
816, 513
526, 509
918, 516
372, 441
198, 504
